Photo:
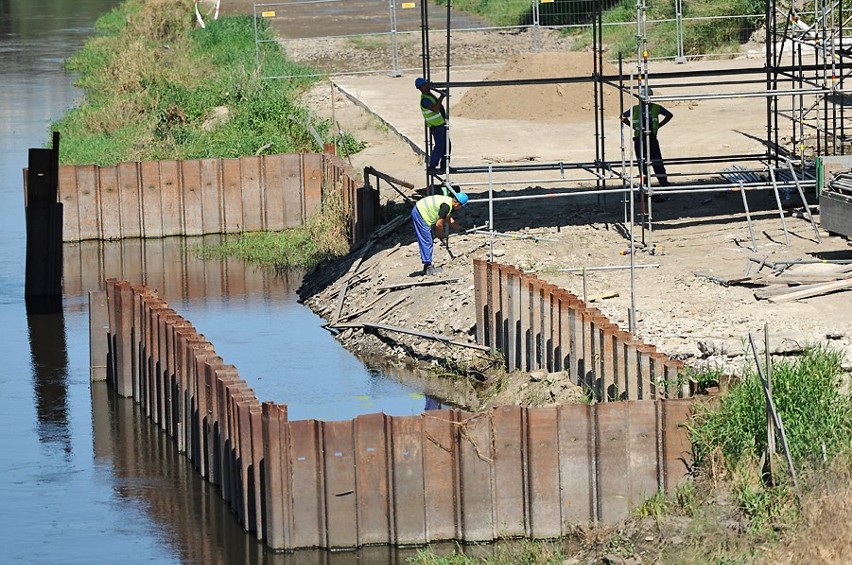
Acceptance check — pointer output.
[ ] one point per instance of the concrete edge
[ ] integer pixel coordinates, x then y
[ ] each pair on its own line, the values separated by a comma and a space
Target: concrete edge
355, 100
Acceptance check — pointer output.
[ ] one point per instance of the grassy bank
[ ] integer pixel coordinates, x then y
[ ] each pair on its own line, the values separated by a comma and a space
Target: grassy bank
157, 86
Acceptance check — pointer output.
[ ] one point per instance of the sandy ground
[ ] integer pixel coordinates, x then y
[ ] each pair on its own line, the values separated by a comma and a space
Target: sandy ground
694, 233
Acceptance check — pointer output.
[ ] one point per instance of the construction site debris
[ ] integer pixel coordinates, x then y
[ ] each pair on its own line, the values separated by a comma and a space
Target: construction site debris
398, 286
426, 335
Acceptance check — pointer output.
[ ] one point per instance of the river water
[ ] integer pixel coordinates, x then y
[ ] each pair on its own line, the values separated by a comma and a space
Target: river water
85, 479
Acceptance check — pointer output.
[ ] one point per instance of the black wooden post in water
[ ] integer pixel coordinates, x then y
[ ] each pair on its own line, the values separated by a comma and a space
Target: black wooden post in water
44, 225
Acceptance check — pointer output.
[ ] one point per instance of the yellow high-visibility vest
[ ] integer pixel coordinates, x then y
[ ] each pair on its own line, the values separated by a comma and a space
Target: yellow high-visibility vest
431, 205
432, 118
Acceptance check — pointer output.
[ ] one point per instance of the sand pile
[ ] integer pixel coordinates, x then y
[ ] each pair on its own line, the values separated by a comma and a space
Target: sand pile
565, 102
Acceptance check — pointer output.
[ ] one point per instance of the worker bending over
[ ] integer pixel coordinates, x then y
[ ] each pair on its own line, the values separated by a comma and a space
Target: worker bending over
434, 211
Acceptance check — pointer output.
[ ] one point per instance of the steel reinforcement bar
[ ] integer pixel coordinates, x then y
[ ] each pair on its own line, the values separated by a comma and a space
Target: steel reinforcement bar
376, 479
538, 326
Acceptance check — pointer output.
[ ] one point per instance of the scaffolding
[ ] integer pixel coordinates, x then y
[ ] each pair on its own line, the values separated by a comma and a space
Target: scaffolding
802, 80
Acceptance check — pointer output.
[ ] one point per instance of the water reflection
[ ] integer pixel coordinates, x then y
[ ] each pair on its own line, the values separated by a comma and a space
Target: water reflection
252, 317
192, 518
50, 374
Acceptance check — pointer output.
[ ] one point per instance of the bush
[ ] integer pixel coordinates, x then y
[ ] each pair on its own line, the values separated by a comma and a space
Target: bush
817, 417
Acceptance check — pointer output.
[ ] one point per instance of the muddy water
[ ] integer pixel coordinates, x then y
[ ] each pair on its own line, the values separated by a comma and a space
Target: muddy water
85, 478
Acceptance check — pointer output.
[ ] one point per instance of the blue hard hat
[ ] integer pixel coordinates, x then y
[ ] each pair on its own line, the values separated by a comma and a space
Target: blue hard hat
420, 81
462, 198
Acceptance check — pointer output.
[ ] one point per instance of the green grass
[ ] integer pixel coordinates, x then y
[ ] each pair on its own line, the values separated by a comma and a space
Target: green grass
814, 412
521, 552
729, 434
152, 80
700, 37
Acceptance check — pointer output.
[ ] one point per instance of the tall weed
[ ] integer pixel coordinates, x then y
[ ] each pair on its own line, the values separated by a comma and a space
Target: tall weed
817, 417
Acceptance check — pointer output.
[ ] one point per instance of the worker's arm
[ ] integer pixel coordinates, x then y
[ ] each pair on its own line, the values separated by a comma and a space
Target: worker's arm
666, 116
444, 222
436, 106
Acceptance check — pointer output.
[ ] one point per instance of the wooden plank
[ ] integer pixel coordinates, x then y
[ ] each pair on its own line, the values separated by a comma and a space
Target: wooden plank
811, 291
427, 282
426, 335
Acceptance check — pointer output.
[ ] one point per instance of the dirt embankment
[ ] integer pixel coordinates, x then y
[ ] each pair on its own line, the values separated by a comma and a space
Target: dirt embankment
680, 309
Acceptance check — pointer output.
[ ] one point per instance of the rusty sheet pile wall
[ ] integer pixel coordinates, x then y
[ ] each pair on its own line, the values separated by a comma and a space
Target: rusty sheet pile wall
378, 479
205, 196
538, 326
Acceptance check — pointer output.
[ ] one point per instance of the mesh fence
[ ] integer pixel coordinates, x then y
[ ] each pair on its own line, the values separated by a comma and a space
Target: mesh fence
358, 36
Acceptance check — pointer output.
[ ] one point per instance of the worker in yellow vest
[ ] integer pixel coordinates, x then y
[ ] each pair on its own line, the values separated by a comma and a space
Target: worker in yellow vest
435, 117
651, 120
434, 211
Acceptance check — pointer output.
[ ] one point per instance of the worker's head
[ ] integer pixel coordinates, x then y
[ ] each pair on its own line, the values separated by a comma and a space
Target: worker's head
420, 82
460, 198
647, 91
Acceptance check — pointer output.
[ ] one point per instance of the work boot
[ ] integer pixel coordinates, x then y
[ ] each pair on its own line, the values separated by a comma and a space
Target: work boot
431, 270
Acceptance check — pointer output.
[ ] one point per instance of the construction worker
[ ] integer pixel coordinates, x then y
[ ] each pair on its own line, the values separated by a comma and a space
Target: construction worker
436, 119
434, 211
653, 122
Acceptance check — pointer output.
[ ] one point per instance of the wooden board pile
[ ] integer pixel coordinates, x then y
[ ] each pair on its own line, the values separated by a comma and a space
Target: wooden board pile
792, 281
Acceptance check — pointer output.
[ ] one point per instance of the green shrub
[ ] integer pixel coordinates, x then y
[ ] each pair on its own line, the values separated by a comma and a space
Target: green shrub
817, 417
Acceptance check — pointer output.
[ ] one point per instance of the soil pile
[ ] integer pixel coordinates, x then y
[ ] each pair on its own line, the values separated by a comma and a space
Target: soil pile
568, 102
